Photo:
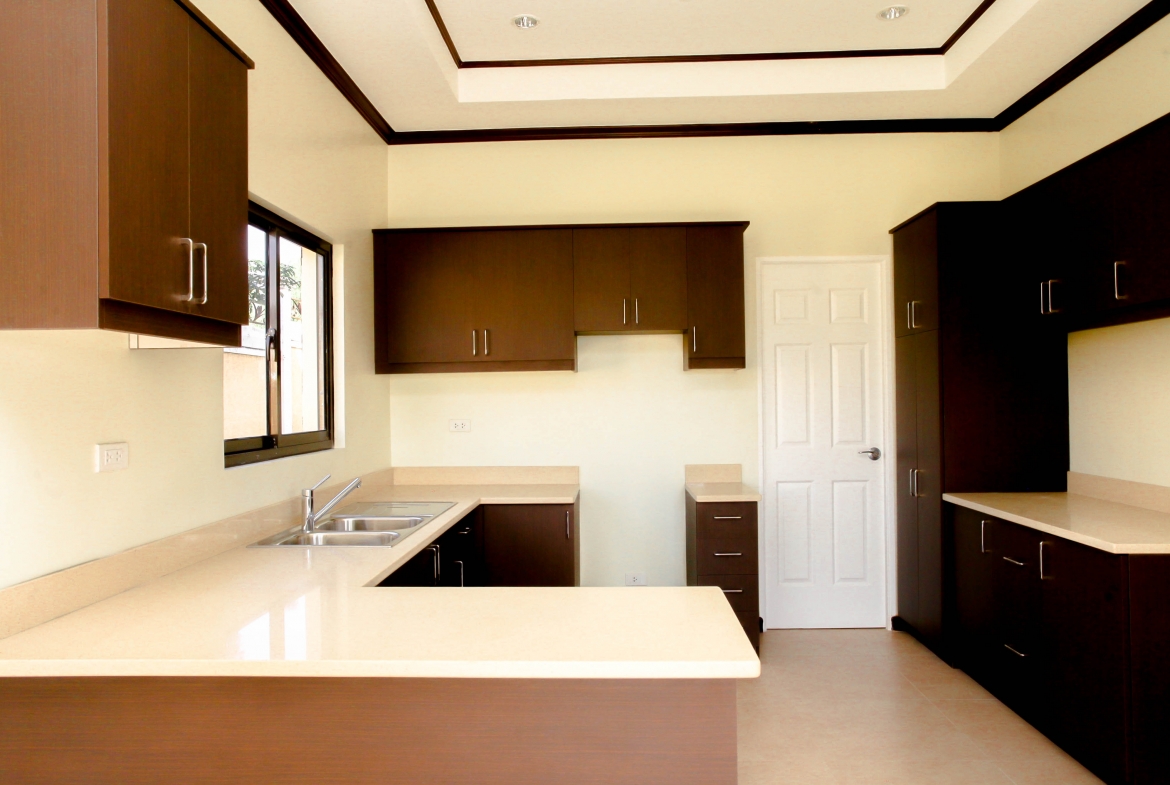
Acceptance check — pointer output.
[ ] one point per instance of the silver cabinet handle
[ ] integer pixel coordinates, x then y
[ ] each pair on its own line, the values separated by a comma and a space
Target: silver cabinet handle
636, 318
623, 310
466, 531
1013, 561
733, 591
1048, 308
983, 537
912, 314
1117, 295
568, 527
1043, 577
460, 563
729, 554
914, 483
729, 517
190, 298
434, 549
695, 340
1043, 308
874, 453
909, 317
486, 348
473, 351
204, 300
1013, 651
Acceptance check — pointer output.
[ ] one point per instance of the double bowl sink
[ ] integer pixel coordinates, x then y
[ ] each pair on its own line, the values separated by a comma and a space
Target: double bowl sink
369, 524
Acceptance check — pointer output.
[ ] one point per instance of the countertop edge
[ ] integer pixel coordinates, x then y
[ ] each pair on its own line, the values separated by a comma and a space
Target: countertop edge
703, 497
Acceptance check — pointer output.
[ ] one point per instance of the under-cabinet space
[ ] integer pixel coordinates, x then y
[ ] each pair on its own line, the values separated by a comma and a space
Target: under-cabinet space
129, 194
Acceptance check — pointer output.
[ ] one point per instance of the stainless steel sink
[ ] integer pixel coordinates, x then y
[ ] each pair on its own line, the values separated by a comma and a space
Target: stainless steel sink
372, 523
366, 524
361, 539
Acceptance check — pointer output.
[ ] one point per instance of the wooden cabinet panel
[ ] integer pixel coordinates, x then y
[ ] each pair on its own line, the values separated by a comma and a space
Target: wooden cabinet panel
728, 529
905, 371
530, 545
928, 485
525, 297
742, 591
727, 557
219, 175
1149, 641
421, 570
916, 275
461, 552
715, 307
601, 279
658, 278
976, 635
149, 203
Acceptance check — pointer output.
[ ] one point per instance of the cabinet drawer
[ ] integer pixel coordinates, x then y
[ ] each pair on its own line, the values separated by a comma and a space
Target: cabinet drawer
727, 557
723, 519
742, 591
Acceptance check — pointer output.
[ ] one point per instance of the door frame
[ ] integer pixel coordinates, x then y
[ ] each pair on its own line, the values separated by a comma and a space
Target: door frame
886, 323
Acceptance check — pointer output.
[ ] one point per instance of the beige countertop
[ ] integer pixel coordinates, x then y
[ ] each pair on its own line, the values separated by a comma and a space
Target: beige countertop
318, 612
1107, 525
722, 492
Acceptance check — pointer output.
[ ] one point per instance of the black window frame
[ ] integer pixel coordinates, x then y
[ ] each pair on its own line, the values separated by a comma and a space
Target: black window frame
255, 449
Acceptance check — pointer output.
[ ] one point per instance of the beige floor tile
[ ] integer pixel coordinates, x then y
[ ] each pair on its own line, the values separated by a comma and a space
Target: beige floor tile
802, 770
953, 772
1061, 770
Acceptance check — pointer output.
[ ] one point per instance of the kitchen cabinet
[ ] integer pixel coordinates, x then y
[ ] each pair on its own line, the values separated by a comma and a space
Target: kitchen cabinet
127, 173
513, 298
473, 300
1149, 658
1042, 623
980, 390
715, 304
723, 551
630, 279
461, 552
422, 569
531, 545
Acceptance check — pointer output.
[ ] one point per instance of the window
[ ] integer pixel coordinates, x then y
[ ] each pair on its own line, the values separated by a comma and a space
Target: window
278, 386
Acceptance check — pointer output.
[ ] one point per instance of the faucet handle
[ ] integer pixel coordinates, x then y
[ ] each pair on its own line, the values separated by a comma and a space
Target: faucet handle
318, 485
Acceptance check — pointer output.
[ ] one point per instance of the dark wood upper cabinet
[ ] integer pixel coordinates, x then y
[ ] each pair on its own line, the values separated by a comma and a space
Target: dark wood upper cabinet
132, 191
916, 276
630, 279
715, 305
513, 298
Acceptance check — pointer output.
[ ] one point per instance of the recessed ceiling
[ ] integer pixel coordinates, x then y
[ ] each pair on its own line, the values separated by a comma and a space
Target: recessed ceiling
482, 30
404, 61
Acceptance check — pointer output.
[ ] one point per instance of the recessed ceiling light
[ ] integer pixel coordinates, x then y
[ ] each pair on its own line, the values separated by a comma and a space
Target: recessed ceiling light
893, 12
526, 21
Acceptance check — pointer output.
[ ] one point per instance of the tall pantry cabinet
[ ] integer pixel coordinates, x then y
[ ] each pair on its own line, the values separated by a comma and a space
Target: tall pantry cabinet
981, 386
124, 169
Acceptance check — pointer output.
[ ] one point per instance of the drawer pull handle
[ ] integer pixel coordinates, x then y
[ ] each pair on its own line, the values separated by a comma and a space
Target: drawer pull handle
733, 591
1013, 651
729, 554
729, 517
1013, 561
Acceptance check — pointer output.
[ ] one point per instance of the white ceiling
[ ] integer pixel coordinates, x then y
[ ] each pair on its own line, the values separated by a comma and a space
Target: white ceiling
395, 53
483, 29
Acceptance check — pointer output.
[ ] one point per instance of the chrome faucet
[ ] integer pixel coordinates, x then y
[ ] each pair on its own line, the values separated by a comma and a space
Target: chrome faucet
312, 517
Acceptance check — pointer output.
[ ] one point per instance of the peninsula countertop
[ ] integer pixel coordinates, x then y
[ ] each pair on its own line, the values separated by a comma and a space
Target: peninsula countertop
319, 612
1106, 525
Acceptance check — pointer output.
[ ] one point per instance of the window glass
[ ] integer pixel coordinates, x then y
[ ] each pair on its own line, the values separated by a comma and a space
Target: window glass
245, 382
302, 393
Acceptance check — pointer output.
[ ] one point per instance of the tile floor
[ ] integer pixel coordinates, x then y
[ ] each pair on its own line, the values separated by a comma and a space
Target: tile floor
863, 707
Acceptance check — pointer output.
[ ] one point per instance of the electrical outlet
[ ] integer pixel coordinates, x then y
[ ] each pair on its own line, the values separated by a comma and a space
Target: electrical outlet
459, 426
112, 457
635, 579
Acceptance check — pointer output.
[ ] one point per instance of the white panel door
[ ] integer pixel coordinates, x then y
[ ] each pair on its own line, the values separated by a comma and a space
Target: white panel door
824, 501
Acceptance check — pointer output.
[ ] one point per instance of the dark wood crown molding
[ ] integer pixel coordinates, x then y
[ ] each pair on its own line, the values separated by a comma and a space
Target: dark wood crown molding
1136, 24
710, 58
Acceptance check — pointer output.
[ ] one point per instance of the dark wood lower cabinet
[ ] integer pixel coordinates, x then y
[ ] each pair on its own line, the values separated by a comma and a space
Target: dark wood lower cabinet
531, 545
1075, 640
722, 551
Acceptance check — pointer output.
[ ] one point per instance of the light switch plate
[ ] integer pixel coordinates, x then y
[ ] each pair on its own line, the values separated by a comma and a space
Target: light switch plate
112, 457
635, 579
459, 426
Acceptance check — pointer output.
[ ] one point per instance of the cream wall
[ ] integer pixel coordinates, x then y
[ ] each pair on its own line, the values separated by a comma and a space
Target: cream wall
1119, 420
631, 418
63, 392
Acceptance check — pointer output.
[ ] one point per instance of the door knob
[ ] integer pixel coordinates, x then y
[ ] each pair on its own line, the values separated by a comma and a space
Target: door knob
873, 453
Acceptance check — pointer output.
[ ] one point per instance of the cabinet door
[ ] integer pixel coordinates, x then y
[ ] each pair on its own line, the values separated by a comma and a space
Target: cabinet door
715, 308
1140, 215
461, 552
149, 174
601, 280
219, 177
907, 461
423, 569
529, 545
1017, 613
975, 569
916, 275
1084, 599
658, 278
928, 485
525, 294
1149, 586
425, 290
